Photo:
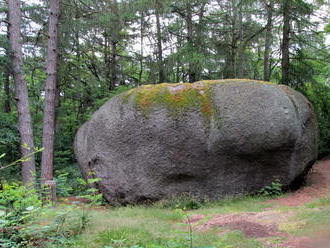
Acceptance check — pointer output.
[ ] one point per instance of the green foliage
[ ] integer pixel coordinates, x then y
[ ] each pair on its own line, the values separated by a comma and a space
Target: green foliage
18, 205
16, 199
183, 201
9, 144
92, 194
68, 181
319, 95
152, 227
136, 238
22, 159
20, 209
274, 189
109, 95
327, 28
59, 231
222, 35
237, 239
63, 187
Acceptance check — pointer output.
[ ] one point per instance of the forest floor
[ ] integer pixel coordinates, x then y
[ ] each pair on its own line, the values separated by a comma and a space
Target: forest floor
281, 221
295, 220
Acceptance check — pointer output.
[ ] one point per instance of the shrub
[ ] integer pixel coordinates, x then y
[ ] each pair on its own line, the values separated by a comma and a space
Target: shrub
18, 205
274, 189
184, 201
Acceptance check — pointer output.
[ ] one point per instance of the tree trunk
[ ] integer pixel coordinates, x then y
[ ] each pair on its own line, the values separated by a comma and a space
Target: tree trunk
6, 105
268, 40
240, 62
113, 65
141, 47
178, 62
115, 27
199, 40
24, 116
189, 21
286, 43
50, 100
256, 67
107, 61
159, 47
232, 54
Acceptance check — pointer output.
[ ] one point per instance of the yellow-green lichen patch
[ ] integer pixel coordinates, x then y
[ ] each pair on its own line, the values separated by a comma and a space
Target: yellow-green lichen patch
223, 81
179, 98
176, 98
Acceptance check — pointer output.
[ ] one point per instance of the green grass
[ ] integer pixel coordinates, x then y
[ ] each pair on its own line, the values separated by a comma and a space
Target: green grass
314, 217
159, 227
309, 218
155, 226
237, 205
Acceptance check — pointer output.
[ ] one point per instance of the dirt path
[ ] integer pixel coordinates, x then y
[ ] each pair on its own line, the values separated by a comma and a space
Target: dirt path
317, 184
265, 225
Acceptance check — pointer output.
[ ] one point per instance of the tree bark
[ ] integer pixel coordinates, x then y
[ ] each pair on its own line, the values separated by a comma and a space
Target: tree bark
286, 42
113, 40
189, 21
199, 40
6, 105
268, 40
141, 46
113, 65
159, 46
21, 91
107, 61
231, 70
240, 65
50, 99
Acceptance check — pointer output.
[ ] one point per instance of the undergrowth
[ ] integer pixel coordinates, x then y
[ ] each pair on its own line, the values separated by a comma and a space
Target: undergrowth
166, 224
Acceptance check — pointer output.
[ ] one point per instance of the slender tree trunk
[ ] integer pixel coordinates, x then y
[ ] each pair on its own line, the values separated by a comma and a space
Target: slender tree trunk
24, 116
50, 100
199, 40
107, 61
177, 72
178, 62
232, 54
113, 42
256, 71
231, 73
141, 46
189, 21
159, 47
6, 105
240, 66
286, 42
268, 40
113, 65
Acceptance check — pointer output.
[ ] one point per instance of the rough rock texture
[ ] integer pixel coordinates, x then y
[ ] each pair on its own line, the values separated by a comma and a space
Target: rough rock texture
210, 139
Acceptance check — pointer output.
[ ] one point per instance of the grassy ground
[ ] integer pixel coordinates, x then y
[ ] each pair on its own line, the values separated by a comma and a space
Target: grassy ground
157, 227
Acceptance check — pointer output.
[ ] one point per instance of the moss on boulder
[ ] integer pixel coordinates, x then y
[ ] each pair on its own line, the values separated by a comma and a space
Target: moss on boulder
152, 142
178, 98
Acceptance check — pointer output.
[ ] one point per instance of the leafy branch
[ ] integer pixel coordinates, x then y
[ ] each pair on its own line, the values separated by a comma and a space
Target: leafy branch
21, 160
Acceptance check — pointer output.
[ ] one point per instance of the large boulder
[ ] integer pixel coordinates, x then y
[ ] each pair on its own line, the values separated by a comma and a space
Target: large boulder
209, 139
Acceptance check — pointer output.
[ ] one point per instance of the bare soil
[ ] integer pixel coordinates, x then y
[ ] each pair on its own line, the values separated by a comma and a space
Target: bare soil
265, 224
317, 184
